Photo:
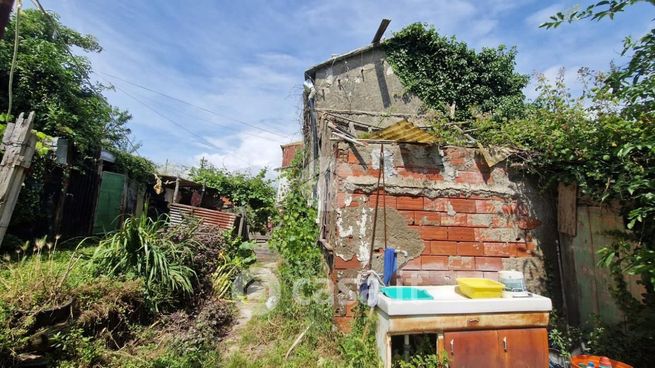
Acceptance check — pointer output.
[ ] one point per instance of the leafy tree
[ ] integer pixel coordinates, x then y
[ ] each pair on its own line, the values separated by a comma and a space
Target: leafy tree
55, 84
443, 71
255, 193
635, 81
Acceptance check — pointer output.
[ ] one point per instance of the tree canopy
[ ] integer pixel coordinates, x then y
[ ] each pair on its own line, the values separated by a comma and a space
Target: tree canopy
56, 85
442, 71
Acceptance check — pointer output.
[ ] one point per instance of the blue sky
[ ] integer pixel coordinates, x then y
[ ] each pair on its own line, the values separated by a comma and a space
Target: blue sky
244, 60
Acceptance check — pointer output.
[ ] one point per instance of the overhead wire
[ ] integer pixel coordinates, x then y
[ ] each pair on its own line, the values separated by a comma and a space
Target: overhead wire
38, 4
251, 134
283, 135
181, 126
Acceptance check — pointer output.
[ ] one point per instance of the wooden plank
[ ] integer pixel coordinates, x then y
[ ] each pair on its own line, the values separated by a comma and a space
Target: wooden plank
18, 143
425, 324
566, 209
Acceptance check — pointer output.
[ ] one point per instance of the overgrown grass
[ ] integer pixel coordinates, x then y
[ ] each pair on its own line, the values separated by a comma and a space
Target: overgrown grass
142, 248
40, 275
107, 298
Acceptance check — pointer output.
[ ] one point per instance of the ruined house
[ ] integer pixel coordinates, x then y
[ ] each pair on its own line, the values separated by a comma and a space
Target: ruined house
447, 212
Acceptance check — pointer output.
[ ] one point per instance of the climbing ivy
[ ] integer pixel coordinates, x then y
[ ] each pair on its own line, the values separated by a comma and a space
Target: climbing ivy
253, 192
442, 71
603, 140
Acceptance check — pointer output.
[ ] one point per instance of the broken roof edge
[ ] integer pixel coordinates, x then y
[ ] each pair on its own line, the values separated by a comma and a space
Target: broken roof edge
296, 143
340, 57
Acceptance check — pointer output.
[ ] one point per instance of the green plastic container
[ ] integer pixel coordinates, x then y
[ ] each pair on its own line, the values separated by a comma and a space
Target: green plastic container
406, 293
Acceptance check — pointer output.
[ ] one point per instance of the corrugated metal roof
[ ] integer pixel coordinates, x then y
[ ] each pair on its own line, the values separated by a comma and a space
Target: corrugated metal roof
224, 220
404, 131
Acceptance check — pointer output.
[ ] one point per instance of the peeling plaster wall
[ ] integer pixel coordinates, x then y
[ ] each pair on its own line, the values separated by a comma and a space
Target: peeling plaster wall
365, 82
451, 213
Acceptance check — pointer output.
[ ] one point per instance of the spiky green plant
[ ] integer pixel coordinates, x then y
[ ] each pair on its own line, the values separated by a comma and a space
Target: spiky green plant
141, 248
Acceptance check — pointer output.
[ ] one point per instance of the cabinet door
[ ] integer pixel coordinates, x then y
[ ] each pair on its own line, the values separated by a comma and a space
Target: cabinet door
523, 348
468, 349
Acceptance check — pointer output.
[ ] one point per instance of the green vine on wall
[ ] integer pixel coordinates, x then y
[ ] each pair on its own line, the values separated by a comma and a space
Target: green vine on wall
442, 71
602, 140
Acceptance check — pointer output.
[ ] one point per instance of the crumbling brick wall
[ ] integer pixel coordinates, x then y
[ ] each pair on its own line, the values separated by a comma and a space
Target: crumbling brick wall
452, 215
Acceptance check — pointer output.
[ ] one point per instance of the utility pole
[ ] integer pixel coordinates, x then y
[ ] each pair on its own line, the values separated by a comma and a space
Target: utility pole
18, 144
5, 11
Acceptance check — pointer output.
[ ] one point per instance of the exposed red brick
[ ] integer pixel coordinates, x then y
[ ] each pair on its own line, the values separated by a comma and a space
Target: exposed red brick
491, 275
444, 248
457, 156
469, 249
469, 177
409, 277
477, 274
369, 171
353, 199
531, 245
499, 249
434, 262
427, 248
435, 204
351, 264
528, 223
500, 221
437, 277
344, 324
350, 308
420, 174
463, 205
413, 264
460, 234
488, 206
488, 263
385, 200
409, 217
510, 209
458, 219
434, 233
522, 250
409, 203
461, 263
427, 218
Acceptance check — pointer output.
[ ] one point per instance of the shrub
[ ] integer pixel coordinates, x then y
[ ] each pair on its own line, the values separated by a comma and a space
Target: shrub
141, 248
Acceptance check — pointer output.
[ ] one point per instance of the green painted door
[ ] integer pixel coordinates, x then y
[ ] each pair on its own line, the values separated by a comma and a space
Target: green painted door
110, 199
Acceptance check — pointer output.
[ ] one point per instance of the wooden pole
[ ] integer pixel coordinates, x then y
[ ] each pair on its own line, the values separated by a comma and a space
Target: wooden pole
5, 11
177, 189
18, 143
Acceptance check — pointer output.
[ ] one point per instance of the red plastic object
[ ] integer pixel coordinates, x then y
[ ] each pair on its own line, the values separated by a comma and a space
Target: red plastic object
575, 360
604, 362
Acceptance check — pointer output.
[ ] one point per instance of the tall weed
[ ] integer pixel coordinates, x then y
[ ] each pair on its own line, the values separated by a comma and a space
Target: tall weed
142, 248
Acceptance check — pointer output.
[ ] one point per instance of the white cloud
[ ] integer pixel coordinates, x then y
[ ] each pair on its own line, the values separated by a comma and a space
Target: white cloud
535, 19
245, 152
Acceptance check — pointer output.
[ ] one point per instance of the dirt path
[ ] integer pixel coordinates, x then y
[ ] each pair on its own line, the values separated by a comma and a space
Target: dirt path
260, 294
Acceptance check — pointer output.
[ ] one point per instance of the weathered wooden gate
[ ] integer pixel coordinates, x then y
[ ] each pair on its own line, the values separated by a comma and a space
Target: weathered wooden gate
585, 229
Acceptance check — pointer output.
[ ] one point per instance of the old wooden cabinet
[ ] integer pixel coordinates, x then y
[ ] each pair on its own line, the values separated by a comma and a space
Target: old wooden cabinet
519, 347
493, 340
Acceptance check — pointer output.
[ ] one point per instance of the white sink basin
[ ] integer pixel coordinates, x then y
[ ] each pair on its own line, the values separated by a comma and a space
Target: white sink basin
448, 301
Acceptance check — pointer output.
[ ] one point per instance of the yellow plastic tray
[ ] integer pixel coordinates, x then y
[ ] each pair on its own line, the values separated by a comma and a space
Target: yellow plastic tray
477, 288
